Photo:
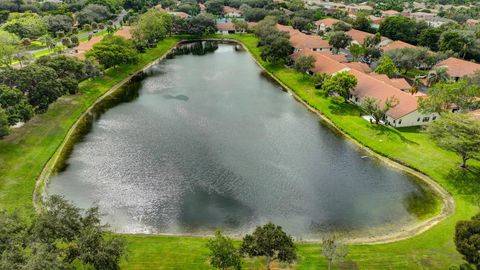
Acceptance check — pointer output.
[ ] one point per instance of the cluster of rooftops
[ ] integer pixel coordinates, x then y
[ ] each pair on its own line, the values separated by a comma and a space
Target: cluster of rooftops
369, 84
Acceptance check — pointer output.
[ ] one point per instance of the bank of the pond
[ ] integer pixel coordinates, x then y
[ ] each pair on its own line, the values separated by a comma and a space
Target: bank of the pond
25, 152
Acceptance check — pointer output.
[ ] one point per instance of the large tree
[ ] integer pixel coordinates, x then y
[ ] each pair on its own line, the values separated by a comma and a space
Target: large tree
304, 63
113, 51
58, 23
269, 241
444, 97
27, 26
93, 13
9, 47
214, 7
399, 28
341, 84
278, 50
430, 38
339, 40
15, 104
61, 236
459, 133
362, 23
467, 240
201, 25
152, 27
386, 66
223, 254
460, 41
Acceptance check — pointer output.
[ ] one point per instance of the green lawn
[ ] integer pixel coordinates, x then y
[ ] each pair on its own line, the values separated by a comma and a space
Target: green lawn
26, 151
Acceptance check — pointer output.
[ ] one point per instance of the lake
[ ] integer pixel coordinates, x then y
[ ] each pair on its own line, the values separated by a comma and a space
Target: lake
208, 142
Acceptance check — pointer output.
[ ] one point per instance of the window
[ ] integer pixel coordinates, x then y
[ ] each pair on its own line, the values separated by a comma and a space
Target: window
426, 119
400, 121
394, 121
433, 119
418, 119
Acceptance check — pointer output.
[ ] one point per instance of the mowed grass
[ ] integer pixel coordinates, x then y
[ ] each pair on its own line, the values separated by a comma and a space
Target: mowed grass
24, 153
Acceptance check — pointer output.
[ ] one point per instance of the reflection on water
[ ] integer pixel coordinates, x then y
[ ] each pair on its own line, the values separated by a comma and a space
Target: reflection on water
206, 142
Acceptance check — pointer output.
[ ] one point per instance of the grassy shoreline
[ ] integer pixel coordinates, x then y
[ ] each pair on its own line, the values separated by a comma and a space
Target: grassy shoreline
27, 150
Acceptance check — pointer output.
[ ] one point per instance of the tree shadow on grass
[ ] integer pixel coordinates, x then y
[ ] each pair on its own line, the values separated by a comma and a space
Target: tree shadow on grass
342, 108
466, 182
389, 132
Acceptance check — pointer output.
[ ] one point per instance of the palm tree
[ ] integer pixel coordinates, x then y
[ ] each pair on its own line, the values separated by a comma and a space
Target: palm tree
437, 75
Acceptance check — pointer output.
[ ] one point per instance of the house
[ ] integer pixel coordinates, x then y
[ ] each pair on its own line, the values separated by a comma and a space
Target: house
301, 41
360, 36
399, 83
376, 21
471, 22
354, 9
390, 13
405, 114
430, 18
359, 66
458, 68
231, 12
326, 24
227, 28
397, 44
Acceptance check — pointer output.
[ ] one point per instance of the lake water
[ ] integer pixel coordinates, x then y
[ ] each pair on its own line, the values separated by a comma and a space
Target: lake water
206, 142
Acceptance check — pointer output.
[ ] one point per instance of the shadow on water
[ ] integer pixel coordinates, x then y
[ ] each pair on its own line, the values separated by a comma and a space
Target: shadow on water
127, 93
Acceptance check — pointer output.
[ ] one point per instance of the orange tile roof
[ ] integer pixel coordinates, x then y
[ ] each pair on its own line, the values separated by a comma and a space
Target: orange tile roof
475, 114
360, 36
397, 44
328, 22
303, 41
180, 14
368, 86
390, 12
458, 67
337, 57
227, 9
225, 26
323, 64
359, 66
399, 83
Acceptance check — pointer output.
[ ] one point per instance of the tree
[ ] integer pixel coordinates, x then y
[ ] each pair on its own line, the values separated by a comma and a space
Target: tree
201, 25
301, 23
410, 58
113, 51
152, 26
373, 107
93, 13
437, 75
341, 26
48, 41
304, 63
371, 54
430, 38
339, 40
15, 105
356, 51
28, 26
4, 126
223, 254
399, 28
58, 23
386, 66
9, 47
341, 84
269, 241
467, 240
372, 41
278, 50
460, 41
214, 7
444, 97
240, 26
457, 132
333, 251
362, 23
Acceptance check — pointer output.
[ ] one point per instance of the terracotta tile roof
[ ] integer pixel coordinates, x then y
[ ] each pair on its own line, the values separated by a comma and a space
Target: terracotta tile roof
323, 64
458, 67
390, 12
475, 114
376, 20
472, 22
399, 83
303, 41
227, 9
360, 36
225, 26
337, 57
397, 44
180, 14
368, 86
359, 66
88, 45
328, 22
124, 32
285, 28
